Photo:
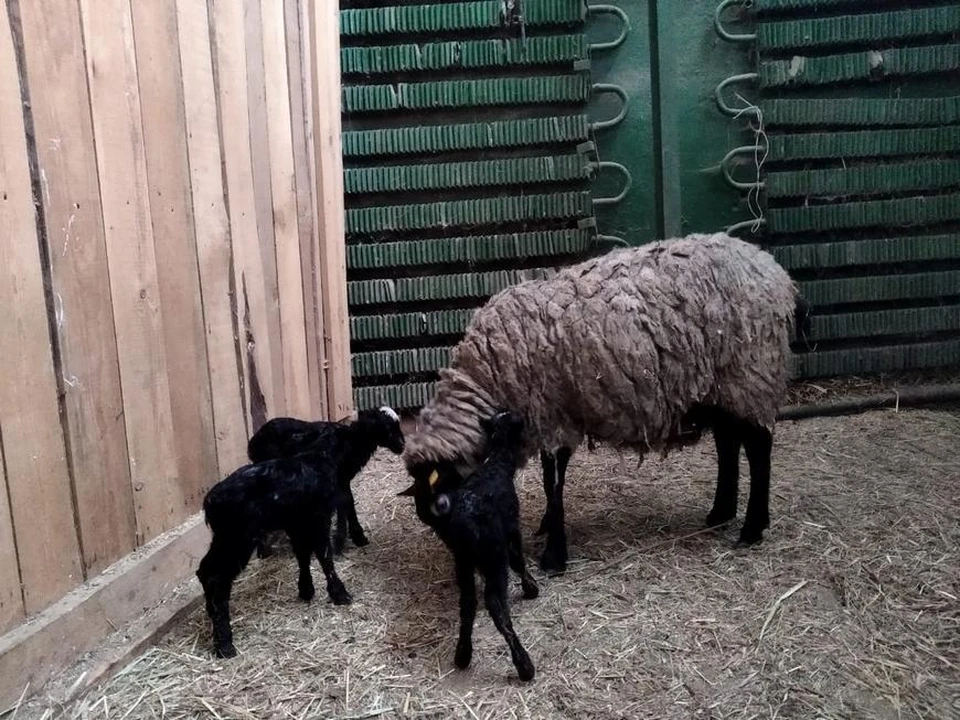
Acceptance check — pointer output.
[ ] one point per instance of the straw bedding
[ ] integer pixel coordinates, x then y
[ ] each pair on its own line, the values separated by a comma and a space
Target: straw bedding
849, 609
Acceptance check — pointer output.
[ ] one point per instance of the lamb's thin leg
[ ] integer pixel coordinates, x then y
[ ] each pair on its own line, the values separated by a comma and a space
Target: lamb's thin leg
353, 522
226, 558
468, 612
758, 442
554, 557
549, 464
340, 534
515, 548
335, 587
303, 550
495, 597
727, 436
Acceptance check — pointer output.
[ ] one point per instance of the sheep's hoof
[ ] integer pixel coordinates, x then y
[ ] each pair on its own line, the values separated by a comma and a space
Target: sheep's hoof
226, 651
359, 539
525, 669
307, 593
719, 516
750, 536
553, 563
530, 590
340, 596
463, 655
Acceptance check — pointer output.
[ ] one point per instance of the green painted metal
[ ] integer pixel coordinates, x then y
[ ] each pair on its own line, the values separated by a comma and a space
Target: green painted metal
761, 6
480, 173
469, 249
407, 395
848, 29
863, 143
878, 251
461, 213
457, 54
855, 361
409, 325
861, 111
872, 179
900, 212
437, 287
866, 65
879, 288
422, 139
400, 362
908, 321
566, 89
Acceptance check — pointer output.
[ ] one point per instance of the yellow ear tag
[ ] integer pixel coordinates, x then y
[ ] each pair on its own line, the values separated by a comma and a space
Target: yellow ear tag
433, 479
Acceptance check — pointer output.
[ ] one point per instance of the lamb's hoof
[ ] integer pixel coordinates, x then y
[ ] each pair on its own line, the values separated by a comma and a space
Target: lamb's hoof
226, 651
750, 536
340, 596
719, 516
360, 540
552, 562
463, 655
306, 593
530, 591
525, 669
266, 551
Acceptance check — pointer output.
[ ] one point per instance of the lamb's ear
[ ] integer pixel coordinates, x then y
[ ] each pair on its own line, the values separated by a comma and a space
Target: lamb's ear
409, 492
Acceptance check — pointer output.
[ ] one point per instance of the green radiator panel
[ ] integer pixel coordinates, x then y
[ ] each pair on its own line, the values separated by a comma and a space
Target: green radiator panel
859, 186
470, 136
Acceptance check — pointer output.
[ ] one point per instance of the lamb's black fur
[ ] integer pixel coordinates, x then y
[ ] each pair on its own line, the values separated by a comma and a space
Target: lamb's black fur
351, 446
297, 495
478, 519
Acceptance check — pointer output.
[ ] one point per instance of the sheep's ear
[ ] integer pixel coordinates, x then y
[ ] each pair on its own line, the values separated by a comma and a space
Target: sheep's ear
409, 492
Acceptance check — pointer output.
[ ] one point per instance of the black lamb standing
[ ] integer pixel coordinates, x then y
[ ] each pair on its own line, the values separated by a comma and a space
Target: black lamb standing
478, 519
351, 444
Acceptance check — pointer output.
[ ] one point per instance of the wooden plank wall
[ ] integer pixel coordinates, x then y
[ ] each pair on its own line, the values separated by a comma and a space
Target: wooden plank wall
171, 266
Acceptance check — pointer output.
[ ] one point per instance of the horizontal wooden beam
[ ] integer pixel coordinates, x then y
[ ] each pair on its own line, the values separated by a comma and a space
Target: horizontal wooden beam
124, 593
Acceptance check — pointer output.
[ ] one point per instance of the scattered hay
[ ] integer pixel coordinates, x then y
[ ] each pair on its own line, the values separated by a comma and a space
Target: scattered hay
850, 608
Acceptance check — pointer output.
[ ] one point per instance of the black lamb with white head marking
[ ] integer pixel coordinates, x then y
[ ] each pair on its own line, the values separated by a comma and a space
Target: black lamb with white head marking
350, 445
478, 519
296, 495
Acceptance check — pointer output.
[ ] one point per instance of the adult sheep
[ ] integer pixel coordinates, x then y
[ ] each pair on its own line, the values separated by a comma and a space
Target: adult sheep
641, 348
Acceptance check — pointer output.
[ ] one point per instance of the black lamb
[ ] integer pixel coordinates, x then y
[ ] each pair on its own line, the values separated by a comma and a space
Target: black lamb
297, 495
351, 445
478, 519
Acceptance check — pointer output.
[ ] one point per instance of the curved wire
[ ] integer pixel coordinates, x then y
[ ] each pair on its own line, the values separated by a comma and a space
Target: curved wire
718, 93
722, 31
759, 222
614, 121
611, 10
628, 183
738, 184
612, 239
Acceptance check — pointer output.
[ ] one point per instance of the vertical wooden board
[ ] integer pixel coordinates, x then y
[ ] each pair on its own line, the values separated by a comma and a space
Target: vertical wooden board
286, 229
306, 219
212, 225
325, 71
115, 105
226, 18
11, 596
165, 142
263, 205
34, 453
60, 107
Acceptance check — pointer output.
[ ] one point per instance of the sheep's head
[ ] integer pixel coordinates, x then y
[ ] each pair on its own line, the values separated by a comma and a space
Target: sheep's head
433, 484
383, 426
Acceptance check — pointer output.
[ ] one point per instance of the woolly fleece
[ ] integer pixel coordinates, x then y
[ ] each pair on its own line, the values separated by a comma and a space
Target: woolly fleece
619, 347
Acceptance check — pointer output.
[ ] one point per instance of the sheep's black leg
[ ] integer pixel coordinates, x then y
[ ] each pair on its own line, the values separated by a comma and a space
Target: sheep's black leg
495, 597
549, 464
356, 531
226, 558
554, 557
758, 442
303, 551
468, 612
728, 436
340, 534
335, 587
515, 549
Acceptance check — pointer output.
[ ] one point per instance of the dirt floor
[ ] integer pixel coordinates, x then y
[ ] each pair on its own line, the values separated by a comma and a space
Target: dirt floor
849, 609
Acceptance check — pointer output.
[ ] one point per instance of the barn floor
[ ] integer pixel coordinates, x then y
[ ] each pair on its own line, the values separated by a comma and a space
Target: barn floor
849, 609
